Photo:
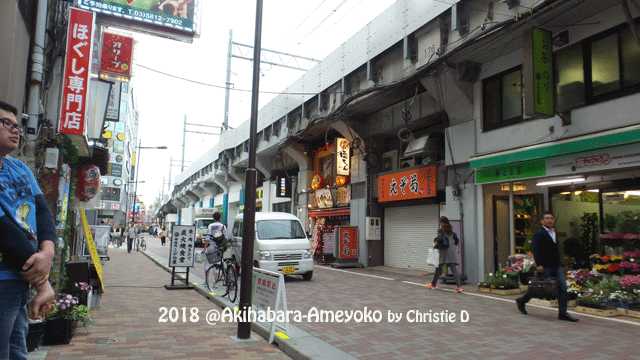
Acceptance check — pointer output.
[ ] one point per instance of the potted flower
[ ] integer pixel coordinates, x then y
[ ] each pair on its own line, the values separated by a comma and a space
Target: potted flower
597, 299
84, 292
506, 283
630, 284
63, 320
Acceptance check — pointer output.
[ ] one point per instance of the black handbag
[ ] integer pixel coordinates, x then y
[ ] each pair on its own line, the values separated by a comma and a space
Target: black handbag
442, 243
542, 288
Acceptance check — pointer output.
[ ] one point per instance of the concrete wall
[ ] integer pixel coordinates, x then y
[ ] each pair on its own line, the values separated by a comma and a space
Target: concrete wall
14, 54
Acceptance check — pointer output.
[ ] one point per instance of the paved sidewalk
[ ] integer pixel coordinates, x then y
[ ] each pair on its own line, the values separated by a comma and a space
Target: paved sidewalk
126, 323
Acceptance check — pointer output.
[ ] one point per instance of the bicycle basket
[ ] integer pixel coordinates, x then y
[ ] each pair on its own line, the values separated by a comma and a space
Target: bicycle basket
213, 254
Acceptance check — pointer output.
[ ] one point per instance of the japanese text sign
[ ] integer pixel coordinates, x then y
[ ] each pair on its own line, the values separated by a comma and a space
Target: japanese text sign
415, 183
268, 293
347, 243
76, 72
343, 159
542, 54
182, 249
116, 55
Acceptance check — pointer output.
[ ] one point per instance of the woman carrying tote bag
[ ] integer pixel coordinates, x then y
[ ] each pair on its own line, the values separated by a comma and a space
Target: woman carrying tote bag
446, 243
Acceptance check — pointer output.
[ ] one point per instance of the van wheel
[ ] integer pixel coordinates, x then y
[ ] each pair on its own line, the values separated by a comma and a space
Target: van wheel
307, 276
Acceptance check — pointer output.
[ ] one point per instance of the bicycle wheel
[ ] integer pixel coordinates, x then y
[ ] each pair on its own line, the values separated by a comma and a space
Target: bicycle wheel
210, 277
220, 273
231, 282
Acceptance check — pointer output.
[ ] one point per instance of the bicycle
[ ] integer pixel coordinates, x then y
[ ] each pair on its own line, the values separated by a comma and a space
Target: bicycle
223, 270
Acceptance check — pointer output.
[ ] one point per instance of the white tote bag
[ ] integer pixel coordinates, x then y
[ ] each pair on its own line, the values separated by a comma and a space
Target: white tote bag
433, 258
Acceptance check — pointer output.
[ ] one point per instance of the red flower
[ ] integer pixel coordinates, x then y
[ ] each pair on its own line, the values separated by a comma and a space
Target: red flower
613, 268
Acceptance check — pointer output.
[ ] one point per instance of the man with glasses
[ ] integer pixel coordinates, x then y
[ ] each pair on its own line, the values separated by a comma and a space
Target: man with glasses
27, 231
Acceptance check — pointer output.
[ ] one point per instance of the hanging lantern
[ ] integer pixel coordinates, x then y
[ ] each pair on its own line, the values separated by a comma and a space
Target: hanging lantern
88, 182
316, 182
342, 180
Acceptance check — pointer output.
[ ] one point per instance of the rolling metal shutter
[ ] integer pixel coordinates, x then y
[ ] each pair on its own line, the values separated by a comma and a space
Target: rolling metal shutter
408, 235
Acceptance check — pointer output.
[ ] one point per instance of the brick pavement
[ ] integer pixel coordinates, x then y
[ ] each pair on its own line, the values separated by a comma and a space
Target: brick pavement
126, 323
495, 331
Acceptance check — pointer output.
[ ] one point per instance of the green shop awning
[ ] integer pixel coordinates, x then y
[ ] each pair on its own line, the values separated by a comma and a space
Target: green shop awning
530, 154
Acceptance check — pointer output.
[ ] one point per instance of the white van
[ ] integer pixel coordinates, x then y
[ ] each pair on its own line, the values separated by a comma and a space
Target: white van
281, 244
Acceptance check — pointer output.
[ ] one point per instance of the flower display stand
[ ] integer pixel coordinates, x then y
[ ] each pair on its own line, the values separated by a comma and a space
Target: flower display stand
632, 313
598, 312
507, 292
551, 303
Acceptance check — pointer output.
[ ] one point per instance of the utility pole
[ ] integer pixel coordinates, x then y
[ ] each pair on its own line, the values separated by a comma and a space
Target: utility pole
249, 233
280, 58
184, 138
227, 84
169, 180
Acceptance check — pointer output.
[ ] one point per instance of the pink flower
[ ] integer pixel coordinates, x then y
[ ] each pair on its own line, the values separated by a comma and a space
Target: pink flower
630, 281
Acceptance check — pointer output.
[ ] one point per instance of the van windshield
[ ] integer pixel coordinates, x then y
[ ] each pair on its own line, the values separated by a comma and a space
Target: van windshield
279, 229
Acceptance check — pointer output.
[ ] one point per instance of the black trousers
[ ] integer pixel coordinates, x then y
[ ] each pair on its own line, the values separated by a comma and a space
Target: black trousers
454, 270
129, 244
558, 274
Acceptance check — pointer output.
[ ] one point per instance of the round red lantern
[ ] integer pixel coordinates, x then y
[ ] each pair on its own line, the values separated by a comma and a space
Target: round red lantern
88, 182
316, 182
342, 180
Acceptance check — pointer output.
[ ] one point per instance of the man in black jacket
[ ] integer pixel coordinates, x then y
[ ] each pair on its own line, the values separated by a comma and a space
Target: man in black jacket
546, 253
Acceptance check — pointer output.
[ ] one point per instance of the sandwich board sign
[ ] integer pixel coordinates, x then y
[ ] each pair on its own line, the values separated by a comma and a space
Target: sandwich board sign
181, 253
268, 293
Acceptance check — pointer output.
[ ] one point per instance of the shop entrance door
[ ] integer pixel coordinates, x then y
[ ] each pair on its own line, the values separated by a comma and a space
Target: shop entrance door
502, 234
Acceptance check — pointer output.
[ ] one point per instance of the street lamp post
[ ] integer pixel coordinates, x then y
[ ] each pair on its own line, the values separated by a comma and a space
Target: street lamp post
249, 233
136, 180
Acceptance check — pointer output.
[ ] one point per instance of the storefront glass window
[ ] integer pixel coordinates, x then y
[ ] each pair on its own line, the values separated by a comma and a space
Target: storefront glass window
605, 65
570, 85
621, 211
572, 210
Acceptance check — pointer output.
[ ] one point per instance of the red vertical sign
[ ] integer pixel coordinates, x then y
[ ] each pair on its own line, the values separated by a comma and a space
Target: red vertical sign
116, 55
75, 79
347, 243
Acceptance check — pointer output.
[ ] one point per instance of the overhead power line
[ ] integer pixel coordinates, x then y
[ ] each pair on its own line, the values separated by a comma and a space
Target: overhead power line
217, 86
310, 14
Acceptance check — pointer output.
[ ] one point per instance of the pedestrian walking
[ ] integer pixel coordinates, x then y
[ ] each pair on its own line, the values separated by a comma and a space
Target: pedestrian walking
131, 235
27, 247
447, 244
163, 237
546, 254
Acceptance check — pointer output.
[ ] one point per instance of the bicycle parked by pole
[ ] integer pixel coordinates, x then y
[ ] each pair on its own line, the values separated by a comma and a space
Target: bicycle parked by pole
221, 271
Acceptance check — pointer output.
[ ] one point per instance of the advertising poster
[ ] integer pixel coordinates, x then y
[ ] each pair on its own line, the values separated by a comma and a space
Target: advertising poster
171, 14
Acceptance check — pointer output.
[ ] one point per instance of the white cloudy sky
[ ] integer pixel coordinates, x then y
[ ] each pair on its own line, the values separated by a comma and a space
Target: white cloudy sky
311, 28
